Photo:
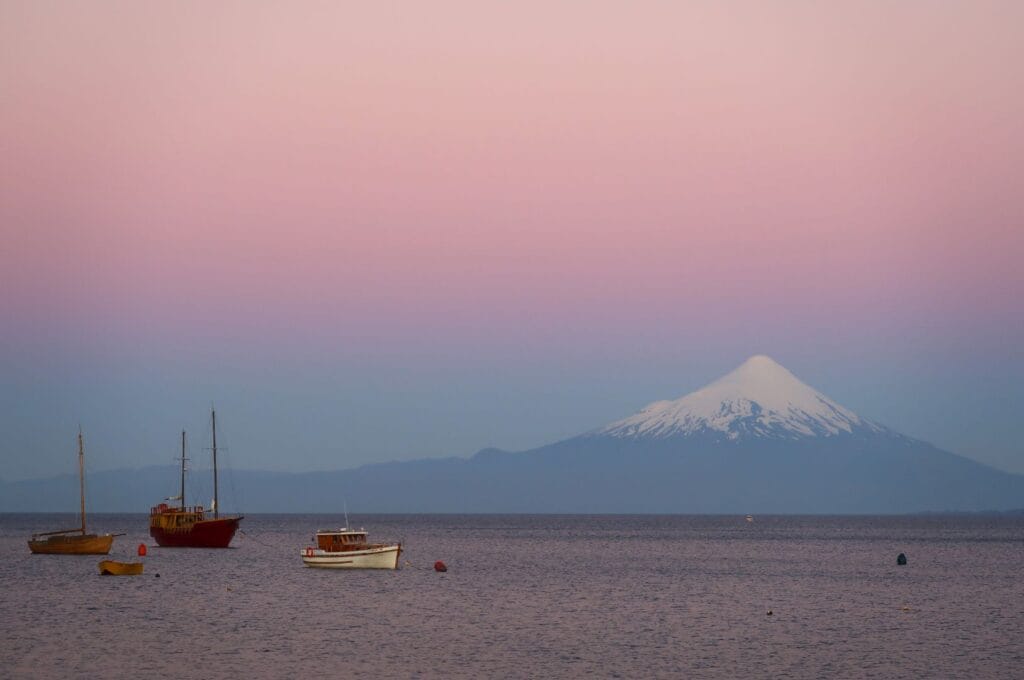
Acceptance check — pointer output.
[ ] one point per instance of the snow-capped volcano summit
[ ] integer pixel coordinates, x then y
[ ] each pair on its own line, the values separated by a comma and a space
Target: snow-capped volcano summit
759, 399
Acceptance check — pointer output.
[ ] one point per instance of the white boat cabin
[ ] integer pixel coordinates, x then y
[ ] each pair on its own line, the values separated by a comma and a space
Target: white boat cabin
340, 540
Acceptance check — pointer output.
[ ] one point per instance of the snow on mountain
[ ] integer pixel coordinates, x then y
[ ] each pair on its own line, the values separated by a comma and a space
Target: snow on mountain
758, 399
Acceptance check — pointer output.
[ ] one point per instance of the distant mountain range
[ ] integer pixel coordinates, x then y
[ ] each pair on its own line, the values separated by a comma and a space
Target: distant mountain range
755, 441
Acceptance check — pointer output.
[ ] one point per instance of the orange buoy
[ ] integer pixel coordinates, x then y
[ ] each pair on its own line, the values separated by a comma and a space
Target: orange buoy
440, 566
142, 549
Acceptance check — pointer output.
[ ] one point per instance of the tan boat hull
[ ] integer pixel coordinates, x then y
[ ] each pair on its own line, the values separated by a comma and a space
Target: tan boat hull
72, 545
381, 557
112, 568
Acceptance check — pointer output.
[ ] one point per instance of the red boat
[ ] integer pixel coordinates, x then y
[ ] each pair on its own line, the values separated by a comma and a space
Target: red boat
192, 527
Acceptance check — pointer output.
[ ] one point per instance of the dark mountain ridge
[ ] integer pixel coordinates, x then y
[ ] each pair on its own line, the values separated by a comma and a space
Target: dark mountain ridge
756, 441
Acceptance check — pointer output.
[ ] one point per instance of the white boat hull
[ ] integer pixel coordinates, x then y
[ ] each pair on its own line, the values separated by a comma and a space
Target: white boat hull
383, 557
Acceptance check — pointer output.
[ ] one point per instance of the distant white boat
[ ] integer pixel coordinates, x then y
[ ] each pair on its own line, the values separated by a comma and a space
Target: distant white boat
750, 518
348, 549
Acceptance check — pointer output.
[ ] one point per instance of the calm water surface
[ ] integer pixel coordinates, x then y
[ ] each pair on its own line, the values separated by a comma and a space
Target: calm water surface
531, 596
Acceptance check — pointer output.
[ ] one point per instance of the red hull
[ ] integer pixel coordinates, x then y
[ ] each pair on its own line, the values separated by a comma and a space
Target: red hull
207, 533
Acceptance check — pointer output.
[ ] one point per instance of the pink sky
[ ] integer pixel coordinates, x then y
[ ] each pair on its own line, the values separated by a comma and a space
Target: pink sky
463, 172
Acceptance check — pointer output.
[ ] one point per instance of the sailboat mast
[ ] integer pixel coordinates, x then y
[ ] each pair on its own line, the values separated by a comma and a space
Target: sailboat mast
216, 505
183, 470
81, 475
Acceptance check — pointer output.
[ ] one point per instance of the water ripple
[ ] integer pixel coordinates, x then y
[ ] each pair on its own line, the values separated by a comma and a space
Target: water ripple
532, 596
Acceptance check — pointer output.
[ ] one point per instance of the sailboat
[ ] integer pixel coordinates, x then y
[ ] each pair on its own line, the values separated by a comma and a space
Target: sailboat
192, 527
73, 541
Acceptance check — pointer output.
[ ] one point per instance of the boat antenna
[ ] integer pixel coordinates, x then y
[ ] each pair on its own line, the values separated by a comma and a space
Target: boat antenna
345, 502
81, 475
216, 505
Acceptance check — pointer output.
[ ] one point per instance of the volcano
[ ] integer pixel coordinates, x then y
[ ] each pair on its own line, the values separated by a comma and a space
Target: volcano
760, 399
757, 440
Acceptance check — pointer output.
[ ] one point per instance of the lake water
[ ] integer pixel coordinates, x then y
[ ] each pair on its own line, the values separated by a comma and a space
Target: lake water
531, 596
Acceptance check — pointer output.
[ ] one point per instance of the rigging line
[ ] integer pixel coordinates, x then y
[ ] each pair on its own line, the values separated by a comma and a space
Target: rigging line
253, 538
229, 464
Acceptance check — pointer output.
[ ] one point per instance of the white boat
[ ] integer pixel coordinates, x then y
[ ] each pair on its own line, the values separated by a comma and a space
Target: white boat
348, 549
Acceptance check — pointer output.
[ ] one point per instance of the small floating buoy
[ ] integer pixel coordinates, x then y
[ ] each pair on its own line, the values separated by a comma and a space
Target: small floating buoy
901, 559
158, 576
440, 566
769, 613
142, 549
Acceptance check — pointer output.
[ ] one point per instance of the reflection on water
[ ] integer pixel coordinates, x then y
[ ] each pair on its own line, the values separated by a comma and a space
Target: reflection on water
609, 596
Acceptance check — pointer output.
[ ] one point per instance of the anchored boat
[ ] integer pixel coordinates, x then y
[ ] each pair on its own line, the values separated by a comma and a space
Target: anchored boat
114, 568
348, 549
73, 541
192, 527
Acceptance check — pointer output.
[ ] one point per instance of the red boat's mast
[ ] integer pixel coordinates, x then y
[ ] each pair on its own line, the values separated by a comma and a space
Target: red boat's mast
216, 505
81, 475
183, 470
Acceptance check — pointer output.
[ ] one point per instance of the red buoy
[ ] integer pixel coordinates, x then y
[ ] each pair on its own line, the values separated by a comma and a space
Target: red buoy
142, 549
440, 566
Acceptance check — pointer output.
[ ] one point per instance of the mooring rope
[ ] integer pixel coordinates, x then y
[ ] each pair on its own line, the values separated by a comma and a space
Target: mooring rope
256, 540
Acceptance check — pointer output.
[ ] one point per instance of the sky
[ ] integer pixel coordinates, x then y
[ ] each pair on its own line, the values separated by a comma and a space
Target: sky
386, 231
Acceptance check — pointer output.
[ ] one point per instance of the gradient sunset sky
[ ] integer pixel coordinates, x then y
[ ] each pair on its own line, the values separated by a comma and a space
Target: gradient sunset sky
374, 231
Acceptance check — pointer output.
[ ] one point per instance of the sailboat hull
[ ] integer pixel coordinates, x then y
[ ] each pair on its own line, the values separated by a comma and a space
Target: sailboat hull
204, 533
89, 544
